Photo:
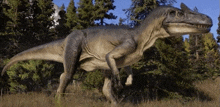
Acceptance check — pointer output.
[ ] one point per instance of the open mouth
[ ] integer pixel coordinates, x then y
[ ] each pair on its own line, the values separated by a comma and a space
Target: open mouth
185, 28
197, 26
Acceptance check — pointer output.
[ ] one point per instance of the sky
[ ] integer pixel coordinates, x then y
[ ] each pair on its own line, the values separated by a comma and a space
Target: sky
208, 7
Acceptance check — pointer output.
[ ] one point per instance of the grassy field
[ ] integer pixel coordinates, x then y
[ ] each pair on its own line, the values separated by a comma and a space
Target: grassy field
76, 97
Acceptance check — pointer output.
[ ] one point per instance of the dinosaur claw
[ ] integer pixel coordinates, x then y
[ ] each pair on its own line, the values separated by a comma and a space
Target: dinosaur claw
117, 84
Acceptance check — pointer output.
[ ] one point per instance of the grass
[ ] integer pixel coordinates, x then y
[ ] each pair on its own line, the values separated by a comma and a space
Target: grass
76, 97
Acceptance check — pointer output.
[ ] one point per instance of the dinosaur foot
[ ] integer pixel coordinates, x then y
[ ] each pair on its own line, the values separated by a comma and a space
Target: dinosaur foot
129, 81
114, 104
117, 83
118, 86
58, 99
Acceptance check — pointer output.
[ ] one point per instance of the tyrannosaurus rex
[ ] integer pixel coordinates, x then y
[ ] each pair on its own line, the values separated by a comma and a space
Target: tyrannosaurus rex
110, 48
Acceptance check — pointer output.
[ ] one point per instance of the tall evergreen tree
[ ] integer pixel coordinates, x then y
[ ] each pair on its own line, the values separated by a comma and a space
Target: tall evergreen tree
3, 32
3, 17
211, 55
218, 30
121, 21
203, 56
195, 41
86, 14
18, 25
196, 59
172, 56
30, 20
139, 9
101, 10
30, 24
42, 21
165, 69
71, 16
16, 12
187, 47
62, 29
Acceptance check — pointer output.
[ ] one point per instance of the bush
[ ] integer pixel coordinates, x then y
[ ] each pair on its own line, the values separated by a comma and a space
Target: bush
30, 75
93, 80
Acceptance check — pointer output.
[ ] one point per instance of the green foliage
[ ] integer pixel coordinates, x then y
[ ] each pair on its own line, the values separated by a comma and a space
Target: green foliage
62, 29
3, 18
17, 12
85, 14
30, 76
28, 24
173, 66
166, 71
101, 10
42, 21
93, 80
71, 15
139, 9
203, 56
211, 55
218, 30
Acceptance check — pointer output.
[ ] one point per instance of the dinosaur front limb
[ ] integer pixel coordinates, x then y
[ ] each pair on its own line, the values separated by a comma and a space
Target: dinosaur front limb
118, 52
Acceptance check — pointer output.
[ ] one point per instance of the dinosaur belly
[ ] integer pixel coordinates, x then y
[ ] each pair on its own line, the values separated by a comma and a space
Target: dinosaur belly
94, 64
91, 63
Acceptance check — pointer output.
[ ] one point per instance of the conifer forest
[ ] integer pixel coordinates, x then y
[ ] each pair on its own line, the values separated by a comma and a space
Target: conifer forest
168, 70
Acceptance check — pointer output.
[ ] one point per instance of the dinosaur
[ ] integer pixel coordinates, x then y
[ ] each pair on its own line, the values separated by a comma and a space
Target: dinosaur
111, 48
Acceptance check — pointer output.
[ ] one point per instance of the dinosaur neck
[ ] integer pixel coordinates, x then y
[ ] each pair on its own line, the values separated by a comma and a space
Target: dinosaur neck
149, 32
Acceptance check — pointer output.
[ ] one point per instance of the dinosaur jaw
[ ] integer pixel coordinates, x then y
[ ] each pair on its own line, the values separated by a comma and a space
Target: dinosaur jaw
184, 28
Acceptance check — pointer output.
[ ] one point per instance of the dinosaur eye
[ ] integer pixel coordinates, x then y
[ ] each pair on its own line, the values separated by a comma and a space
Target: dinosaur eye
180, 14
173, 13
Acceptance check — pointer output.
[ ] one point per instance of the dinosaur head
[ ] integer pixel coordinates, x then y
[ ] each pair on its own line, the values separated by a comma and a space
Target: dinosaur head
185, 21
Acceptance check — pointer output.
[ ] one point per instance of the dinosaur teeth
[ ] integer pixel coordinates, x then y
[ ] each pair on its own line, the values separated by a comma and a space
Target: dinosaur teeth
201, 26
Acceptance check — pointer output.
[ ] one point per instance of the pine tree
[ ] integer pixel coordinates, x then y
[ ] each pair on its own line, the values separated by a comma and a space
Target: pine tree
121, 21
29, 24
33, 76
139, 9
30, 21
173, 65
211, 55
195, 41
218, 30
16, 12
42, 21
86, 14
71, 16
166, 67
3, 31
203, 56
187, 47
18, 25
101, 10
62, 29
3, 17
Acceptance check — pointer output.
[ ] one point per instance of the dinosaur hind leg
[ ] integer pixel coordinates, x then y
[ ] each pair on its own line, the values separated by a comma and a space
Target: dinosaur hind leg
71, 56
107, 88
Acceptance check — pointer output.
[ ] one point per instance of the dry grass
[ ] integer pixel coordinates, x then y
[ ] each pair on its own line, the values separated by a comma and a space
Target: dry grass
76, 97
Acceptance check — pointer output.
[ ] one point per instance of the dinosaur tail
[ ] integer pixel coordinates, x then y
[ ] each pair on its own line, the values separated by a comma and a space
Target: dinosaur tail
51, 51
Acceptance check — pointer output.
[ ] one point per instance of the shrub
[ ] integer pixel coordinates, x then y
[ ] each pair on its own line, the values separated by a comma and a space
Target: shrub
30, 75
